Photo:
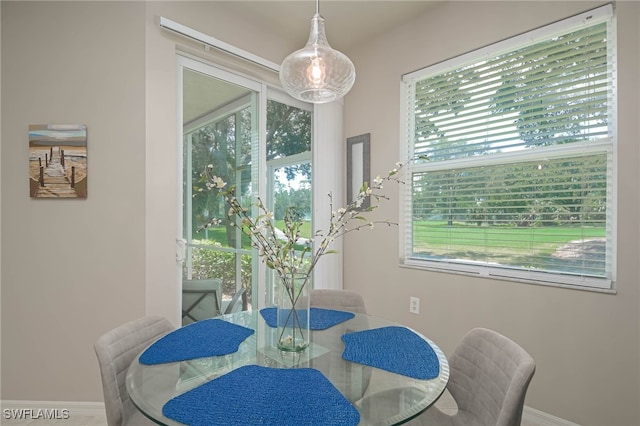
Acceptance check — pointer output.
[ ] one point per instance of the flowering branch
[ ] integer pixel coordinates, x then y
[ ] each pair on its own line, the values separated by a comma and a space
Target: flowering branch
282, 251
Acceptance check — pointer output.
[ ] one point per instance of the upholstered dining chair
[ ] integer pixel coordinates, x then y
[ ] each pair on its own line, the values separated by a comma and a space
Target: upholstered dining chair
115, 351
237, 303
201, 299
488, 378
345, 300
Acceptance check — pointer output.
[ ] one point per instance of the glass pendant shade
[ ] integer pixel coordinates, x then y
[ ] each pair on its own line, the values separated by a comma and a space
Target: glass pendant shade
317, 73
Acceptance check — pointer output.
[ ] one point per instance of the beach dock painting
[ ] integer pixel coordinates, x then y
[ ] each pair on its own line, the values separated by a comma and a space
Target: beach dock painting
58, 161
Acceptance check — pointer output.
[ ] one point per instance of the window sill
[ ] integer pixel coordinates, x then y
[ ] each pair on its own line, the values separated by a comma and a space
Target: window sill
478, 272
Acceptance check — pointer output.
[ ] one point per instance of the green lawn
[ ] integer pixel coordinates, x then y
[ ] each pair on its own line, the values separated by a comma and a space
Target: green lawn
436, 233
506, 245
219, 233
305, 229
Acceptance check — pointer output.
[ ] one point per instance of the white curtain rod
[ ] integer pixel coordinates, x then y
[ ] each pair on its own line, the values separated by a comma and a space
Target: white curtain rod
215, 43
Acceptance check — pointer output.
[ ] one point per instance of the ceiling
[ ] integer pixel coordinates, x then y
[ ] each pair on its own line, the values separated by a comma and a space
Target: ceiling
203, 94
348, 23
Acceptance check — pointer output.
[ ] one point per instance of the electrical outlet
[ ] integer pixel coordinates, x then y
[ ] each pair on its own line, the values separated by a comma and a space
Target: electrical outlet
414, 305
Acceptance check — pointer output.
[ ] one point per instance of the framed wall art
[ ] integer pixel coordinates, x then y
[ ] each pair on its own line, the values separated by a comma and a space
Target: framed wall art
58, 161
358, 167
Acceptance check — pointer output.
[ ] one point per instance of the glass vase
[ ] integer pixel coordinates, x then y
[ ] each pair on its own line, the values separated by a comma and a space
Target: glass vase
293, 312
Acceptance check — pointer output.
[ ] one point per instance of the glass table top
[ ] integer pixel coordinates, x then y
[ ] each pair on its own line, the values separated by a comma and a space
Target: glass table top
151, 386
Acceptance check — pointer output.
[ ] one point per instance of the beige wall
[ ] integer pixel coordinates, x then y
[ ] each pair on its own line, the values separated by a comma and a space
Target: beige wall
71, 269
586, 344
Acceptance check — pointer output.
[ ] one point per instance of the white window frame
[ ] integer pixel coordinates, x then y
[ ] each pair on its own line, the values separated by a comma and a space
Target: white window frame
406, 151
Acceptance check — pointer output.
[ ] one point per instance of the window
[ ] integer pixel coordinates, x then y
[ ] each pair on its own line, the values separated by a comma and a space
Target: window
289, 171
519, 138
289, 162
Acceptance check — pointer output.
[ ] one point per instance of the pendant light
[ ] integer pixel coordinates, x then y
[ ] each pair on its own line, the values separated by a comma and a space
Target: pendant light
317, 73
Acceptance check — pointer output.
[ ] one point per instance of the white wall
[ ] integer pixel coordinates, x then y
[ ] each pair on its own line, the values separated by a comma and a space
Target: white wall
586, 344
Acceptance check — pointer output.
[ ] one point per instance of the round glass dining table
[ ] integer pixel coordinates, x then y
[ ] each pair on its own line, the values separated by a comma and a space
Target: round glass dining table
150, 387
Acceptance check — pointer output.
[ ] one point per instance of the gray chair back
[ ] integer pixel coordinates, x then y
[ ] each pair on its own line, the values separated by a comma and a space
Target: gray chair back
201, 299
345, 300
489, 377
115, 351
237, 303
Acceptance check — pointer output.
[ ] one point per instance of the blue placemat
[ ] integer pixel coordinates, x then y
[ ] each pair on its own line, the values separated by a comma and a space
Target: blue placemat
255, 395
321, 318
395, 349
210, 337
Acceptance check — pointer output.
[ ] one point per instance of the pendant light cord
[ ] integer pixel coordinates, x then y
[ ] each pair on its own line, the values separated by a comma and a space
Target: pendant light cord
317, 7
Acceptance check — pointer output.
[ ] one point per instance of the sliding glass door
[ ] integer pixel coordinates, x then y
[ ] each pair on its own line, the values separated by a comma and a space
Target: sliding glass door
255, 139
220, 125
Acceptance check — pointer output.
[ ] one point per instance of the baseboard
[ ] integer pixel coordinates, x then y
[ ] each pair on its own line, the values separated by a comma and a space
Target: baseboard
55, 409
541, 418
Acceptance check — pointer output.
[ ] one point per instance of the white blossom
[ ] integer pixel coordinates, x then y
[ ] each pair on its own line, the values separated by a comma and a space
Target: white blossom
218, 182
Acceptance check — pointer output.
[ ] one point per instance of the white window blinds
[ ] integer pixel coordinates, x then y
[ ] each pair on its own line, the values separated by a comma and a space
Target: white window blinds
520, 141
